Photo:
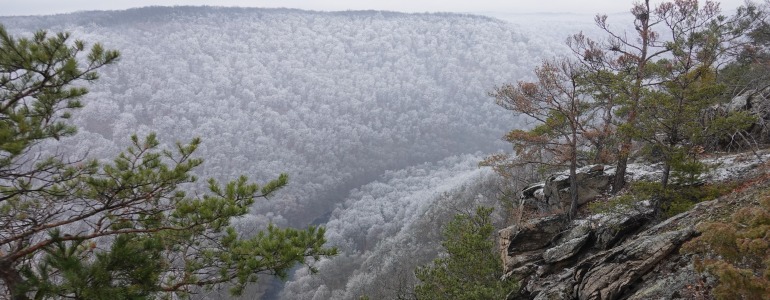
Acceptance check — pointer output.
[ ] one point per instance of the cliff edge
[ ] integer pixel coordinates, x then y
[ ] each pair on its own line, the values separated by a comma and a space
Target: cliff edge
624, 253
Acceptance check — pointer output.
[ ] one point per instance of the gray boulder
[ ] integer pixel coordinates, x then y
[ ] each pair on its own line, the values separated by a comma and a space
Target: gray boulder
569, 245
518, 240
614, 228
592, 181
553, 194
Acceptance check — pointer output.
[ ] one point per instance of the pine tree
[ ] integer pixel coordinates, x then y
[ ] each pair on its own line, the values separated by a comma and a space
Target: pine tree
560, 108
471, 268
686, 80
126, 229
662, 76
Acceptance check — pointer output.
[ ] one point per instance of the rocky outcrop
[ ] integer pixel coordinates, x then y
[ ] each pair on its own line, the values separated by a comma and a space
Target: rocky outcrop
625, 254
755, 103
601, 257
607, 275
568, 245
552, 194
520, 244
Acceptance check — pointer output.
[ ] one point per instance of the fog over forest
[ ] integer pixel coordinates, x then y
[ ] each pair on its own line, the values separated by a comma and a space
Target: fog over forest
379, 118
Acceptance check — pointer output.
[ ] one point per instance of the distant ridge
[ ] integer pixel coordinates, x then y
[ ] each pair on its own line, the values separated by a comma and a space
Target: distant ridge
162, 13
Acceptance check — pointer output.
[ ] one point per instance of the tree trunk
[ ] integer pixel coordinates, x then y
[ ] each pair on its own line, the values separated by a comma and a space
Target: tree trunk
573, 191
643, 28
620, 174
12, 279
666, 175
573, 186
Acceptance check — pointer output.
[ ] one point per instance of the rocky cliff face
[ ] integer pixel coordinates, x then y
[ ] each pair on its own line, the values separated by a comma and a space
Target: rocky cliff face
755, 103
619, 255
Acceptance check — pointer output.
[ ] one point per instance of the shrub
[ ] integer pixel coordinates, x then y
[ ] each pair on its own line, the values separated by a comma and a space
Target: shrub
737, 252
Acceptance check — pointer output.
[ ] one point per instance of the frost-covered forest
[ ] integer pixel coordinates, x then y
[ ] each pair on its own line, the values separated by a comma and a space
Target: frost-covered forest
379, 118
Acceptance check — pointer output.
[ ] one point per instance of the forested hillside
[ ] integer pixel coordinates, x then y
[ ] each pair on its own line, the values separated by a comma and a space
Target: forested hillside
387, 228
333, 99
387, 110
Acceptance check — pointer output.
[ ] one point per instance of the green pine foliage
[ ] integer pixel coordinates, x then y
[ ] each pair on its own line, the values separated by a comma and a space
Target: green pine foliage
128, 229
673, 200
471, 268
130, 270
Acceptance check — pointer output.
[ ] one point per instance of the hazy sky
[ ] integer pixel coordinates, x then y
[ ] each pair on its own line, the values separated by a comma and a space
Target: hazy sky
42, 7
